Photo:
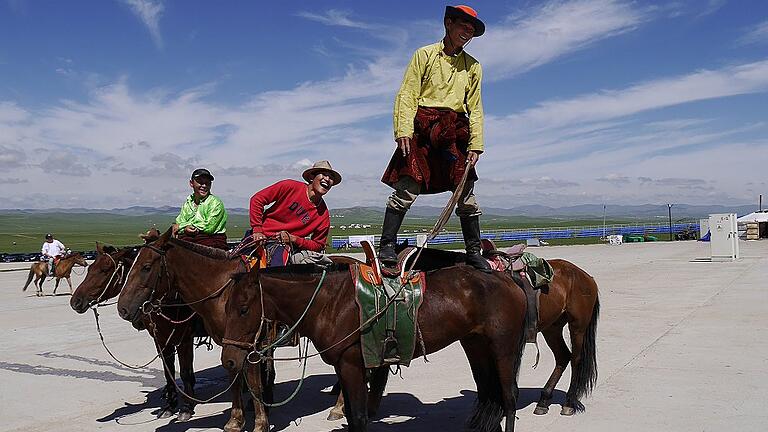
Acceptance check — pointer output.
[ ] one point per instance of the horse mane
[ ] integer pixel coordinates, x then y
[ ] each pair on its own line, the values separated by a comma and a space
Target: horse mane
199, 249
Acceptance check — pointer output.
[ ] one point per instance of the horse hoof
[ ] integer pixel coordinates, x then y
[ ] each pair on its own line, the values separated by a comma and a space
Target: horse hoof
233, 426
184, 416
165, 413
333, 416
541, 410
567, 411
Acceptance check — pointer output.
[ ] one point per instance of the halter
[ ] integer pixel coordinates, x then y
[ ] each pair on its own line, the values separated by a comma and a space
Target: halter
119, 268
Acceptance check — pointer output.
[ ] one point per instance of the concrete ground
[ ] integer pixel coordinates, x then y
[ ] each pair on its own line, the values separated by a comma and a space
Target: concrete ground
682, 346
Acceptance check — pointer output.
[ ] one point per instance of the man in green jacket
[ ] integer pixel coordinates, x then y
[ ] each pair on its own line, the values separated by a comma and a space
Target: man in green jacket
438, 122
203, 218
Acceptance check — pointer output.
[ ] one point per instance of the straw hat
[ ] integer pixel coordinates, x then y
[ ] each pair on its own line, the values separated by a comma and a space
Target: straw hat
321, 166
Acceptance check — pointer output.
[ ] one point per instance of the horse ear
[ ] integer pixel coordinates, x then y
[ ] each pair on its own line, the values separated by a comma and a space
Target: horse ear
150, 236
99, 248
165, 236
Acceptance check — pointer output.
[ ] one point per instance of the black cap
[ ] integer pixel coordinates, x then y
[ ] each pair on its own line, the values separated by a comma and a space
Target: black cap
49, 236
201, 172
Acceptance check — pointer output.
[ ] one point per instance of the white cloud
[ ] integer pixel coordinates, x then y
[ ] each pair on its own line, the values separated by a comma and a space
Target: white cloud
11, 157
149, 12
615, 179
552, 30
660, 93
13, 180
141, 145
757, 34
335, 17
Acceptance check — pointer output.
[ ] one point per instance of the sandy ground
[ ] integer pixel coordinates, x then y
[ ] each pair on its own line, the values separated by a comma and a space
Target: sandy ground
682, 346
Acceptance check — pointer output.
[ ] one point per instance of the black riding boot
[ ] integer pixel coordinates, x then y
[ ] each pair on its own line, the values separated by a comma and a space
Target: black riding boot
392, 221
470, 227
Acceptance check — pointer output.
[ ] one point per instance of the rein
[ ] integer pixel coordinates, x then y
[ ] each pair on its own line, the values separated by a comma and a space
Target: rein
101, 336
150, 306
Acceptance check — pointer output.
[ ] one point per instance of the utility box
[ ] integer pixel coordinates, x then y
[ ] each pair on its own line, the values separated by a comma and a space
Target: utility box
724, 239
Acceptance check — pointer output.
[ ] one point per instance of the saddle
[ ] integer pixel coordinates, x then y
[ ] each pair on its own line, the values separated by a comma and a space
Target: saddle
269, 254
388, 307
531, 273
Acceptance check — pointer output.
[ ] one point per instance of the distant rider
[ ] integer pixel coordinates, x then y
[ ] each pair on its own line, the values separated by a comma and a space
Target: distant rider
52, 249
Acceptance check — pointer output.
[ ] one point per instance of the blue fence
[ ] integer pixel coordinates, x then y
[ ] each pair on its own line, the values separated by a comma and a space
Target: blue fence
523, 234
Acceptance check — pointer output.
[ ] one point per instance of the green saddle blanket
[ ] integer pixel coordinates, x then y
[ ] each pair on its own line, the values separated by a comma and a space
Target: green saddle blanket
398, 321
539, 270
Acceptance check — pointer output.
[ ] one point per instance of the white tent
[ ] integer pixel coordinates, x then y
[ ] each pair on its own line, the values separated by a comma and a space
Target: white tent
760, 218
754, 217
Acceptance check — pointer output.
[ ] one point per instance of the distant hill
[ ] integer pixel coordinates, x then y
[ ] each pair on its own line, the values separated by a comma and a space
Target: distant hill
374, 214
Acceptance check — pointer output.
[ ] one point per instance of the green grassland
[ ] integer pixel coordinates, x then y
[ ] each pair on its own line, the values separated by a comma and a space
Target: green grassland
21, 232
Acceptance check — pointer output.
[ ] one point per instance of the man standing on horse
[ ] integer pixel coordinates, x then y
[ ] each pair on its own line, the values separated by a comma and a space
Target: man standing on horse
438, 122
298, 216
51, 252
203, 218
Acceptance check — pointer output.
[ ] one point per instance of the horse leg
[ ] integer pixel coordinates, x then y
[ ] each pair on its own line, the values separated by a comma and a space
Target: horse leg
253, 376
69, 282
572, 403
378, 381
169, 394
350, 371
488, 410
337, 412
554, 337
507, 366
39, 286
185, 351
236, 418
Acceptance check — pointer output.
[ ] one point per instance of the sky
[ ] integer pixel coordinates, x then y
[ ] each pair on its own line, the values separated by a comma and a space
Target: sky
113, 103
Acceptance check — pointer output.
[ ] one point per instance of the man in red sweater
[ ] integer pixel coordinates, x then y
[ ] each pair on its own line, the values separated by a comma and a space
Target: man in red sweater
298, 214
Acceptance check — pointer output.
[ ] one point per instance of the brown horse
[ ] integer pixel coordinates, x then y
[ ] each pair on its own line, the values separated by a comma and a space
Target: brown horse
201, 276
39, 271
103, 281
460, 304
571, 298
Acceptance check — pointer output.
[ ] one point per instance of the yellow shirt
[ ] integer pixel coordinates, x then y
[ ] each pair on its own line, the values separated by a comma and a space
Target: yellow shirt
436, 80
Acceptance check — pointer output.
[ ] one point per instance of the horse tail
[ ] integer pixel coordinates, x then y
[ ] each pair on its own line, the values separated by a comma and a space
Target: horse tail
29, 279
586, 372
489, 412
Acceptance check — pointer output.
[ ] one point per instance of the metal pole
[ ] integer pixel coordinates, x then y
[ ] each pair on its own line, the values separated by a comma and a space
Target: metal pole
603, 222
671, 238
761, 202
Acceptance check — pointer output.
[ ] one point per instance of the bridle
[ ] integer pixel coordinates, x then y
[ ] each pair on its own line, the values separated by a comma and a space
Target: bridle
119, 272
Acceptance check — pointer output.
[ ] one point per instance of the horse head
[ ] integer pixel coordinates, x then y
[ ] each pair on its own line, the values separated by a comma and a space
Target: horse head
79, 259
104, 277
144, 281
244, 314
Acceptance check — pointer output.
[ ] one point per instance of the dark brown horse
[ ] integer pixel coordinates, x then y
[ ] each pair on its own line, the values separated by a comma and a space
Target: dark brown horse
63, 270
201, 276
103, 281
460, 304
571, 298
